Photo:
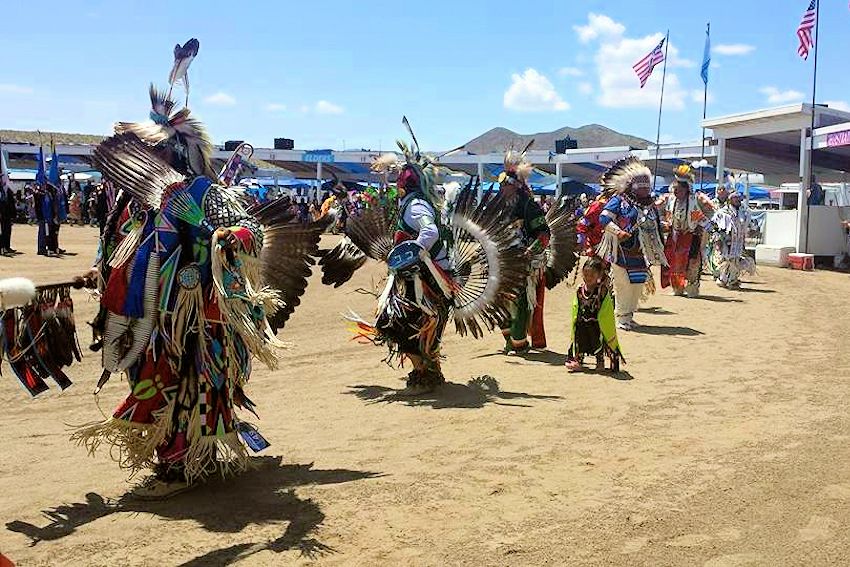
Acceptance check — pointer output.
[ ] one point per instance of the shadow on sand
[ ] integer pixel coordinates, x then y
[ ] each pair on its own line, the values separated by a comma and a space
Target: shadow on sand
474, 394
656, 311
749, 289
667, 331
716, 299
263, 495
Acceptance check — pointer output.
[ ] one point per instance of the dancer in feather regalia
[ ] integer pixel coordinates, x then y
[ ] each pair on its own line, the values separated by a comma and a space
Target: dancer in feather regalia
631, 239
548, 242
446, 261
189, 282
532, 239
730, 225
685, 214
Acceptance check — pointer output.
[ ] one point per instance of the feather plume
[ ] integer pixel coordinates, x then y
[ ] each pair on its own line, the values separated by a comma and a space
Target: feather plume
516, 164
15, 292
183, 57
385, 163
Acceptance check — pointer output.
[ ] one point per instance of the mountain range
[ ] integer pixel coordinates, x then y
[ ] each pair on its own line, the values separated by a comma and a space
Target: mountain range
589, 136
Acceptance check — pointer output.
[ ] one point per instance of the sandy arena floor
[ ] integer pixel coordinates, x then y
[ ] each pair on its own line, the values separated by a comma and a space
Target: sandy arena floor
726, 443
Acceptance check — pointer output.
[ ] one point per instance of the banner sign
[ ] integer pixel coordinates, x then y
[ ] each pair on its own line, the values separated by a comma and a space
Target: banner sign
318, 156
838, 139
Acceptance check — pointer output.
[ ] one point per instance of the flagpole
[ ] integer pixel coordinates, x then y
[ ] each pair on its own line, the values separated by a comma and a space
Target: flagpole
704, 109
660, 107
811, 179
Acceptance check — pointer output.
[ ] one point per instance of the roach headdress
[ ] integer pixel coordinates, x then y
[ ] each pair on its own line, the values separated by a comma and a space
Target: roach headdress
517, 167
415, 172
179, 139
684, 173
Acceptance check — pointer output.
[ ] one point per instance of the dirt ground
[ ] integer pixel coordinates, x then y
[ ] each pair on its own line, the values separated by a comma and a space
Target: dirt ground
727, 442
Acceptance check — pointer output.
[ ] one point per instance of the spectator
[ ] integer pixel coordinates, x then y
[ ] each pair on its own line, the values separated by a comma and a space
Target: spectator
74, 209
60, 206
101, 208
21, 200
816, 193
84, 204
8, 211
29, 196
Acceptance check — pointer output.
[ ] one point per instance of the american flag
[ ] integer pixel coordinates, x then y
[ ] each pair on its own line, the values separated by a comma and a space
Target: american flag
804, 31
644, 67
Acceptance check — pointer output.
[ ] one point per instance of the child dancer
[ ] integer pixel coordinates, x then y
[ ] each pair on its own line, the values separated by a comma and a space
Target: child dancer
594, 330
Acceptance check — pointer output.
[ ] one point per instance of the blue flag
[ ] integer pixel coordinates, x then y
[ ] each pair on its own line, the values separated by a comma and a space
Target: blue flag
40, 176
706, 57
54, 179
53, 172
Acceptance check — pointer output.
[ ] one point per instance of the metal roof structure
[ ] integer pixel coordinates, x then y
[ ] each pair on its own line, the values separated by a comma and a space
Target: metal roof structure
778, 143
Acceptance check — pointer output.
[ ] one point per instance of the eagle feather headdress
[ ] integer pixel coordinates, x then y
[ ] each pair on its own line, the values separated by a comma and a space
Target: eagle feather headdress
623, 174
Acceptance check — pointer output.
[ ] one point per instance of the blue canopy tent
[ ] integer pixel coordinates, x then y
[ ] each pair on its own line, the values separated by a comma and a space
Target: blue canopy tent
757, 192
570, 188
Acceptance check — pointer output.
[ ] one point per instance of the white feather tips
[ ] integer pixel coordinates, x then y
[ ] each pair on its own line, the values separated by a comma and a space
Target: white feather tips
15, 292
385, 163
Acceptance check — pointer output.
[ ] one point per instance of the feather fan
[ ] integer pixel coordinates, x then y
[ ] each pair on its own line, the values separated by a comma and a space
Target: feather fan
368, 233
488, 269
563, 243
128, 163
287, 254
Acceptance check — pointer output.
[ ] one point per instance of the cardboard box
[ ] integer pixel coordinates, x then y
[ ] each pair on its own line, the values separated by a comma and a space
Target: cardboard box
773, 255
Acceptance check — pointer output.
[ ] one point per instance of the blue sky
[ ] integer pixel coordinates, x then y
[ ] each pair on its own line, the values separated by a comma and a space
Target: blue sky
342, 73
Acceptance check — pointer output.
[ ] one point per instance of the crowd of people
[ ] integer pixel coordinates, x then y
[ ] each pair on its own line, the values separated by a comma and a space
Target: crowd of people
193, 285
50, 207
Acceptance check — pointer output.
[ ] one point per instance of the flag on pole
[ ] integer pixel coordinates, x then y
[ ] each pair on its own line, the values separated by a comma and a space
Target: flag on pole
53, 171
54, 179
40, 176
644, 67
804, 31
706, 56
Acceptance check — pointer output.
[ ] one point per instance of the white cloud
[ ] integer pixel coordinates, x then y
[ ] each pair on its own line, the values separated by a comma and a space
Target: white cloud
585, 88
599, 26
680, 62
618, 86
220, 99
838, 105
775, 96
532, 92
325, 107
733, 49
698, 94
14, 89
570, 72
304, 109
275, 107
